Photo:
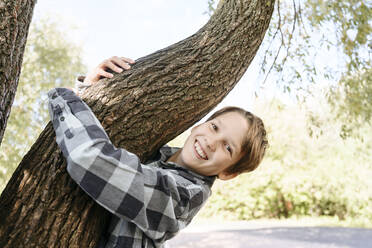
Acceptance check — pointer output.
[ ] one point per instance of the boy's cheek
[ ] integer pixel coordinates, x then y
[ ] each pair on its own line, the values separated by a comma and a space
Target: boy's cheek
187, 156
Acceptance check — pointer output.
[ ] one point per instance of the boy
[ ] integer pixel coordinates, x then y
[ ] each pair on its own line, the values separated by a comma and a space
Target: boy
151, 203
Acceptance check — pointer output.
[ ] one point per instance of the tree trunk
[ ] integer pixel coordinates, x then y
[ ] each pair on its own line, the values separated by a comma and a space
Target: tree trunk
141, 109
15, 19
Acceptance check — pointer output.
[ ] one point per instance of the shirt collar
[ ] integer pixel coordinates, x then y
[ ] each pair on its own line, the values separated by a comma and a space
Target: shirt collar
166, 152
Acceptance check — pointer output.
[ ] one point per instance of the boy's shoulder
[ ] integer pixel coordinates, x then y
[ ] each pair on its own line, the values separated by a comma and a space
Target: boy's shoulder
163, 154
167, 151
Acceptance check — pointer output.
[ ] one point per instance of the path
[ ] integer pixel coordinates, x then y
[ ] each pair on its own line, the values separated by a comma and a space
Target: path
267, 237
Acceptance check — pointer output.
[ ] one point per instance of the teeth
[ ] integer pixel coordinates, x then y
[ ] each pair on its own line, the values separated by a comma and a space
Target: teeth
200, 151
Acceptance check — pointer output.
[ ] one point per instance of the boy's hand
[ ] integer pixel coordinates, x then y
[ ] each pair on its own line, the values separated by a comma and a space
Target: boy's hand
116, 64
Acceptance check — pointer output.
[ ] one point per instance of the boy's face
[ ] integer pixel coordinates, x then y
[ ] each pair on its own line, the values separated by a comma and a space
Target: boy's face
215, 145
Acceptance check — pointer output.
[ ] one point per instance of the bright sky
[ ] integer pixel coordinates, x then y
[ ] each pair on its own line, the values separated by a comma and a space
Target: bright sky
136, 28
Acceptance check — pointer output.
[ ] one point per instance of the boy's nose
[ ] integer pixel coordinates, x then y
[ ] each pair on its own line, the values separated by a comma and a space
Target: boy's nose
211, 144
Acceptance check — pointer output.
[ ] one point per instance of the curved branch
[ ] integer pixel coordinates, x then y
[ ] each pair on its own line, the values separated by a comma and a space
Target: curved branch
193, 75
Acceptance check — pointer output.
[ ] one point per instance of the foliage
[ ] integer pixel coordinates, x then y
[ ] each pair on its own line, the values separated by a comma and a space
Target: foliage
301, 175
313, 41
50, 60
304, 33
352, 102
211, 7
316, 40
351, 22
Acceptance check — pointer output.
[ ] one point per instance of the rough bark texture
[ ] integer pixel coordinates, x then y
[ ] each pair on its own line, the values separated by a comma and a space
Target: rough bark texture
141, 109
15, 19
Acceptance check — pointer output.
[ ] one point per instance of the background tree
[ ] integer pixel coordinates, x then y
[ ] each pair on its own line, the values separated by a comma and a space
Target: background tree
15, 18
351, 102
50, 60
162, 95
310, 42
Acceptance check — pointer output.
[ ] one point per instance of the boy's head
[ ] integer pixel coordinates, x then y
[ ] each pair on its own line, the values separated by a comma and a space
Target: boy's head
254, 144
230, 142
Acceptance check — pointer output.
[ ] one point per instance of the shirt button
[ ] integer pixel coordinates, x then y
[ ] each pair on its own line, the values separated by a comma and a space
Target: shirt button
62, 118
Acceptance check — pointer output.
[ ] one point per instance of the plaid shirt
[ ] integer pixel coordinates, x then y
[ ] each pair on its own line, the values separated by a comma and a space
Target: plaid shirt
150, 203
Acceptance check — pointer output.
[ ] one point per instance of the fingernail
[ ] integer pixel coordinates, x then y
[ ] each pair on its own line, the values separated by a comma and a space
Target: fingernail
120, 70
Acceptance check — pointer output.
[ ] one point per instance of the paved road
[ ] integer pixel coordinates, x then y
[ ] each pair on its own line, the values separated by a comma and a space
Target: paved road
276, 237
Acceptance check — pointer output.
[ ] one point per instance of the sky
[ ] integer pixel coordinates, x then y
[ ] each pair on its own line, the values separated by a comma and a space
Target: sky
137, 28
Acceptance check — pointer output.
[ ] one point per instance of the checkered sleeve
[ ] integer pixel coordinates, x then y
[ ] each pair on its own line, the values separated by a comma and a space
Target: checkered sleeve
80, 85
150, 197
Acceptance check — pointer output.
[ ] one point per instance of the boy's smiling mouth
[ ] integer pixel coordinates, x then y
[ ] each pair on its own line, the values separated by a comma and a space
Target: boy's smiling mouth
199, 151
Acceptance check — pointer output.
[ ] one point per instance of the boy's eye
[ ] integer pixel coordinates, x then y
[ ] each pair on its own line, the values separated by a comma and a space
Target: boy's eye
214, 126
228, 148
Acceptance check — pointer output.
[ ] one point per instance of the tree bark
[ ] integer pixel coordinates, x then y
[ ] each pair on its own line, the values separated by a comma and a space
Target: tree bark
15, 19
141, 109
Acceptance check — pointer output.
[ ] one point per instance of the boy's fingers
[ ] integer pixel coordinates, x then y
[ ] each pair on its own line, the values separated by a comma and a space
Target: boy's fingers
113, 66
104, 73
121, 63
131, 61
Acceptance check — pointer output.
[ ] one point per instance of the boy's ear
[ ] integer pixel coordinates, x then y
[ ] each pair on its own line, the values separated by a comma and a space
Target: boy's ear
227, 176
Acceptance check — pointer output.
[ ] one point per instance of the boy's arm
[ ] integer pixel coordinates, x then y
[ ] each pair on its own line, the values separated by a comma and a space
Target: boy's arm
145, 195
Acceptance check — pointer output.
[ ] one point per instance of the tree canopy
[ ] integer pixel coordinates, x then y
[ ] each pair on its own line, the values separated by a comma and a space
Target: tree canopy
310, 42
301, 30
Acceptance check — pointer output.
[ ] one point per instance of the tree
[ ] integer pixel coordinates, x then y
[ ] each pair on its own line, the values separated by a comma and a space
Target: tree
302, 30
324, 41
312, 41
351, 103
141, 109
15, 18
50, 60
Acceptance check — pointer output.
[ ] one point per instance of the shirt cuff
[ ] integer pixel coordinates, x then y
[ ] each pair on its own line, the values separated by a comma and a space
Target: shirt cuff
80, 86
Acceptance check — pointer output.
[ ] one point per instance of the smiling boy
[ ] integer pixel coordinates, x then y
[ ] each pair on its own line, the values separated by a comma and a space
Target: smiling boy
150, 203
214, 146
